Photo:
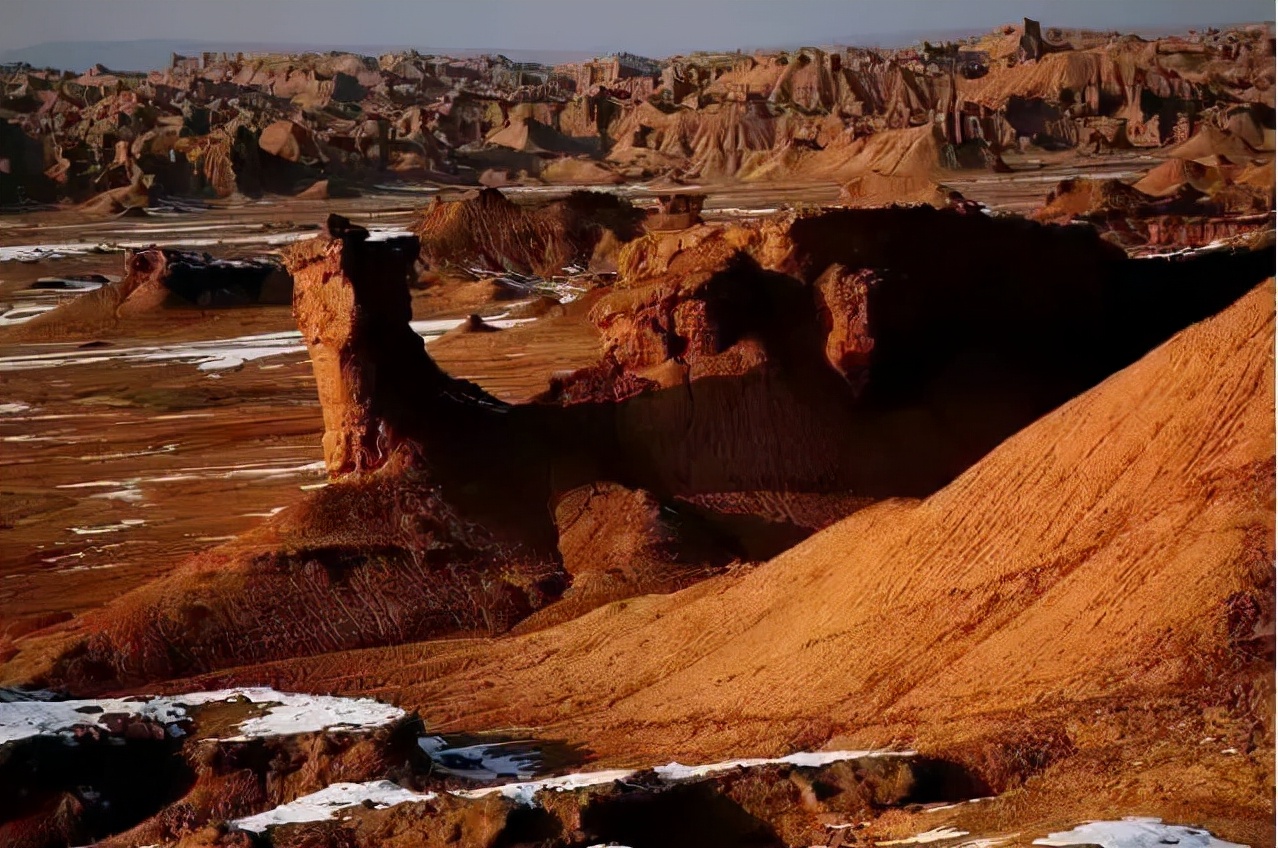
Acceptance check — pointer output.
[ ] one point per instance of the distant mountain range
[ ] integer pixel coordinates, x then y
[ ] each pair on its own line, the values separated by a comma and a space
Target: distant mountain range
151, 54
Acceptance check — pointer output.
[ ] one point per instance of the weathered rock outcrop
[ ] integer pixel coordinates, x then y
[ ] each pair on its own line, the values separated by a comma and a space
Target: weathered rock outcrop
367, 360
757, 384
491, 233
212, 125
1191, 206
160, 283
189, 765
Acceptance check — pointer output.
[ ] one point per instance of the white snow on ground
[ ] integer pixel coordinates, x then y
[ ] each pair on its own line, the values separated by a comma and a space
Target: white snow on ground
1136, 832
482, 762
26, 312
208, 355
21, 314
25, 719
937, 835
285, 713
150, 451
166, 235
130, 489
129, 494
50, 252
310, 713
957, 805
809, 759
437, 327
231, 472
215, 355
321, 805
162, 227
38, 252
386, 233
1217, 245
271, 513
67, 284
107, 528
741, 212
987, 842
525, 791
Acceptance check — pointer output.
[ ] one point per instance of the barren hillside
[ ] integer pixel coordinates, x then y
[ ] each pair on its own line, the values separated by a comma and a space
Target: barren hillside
1106, 548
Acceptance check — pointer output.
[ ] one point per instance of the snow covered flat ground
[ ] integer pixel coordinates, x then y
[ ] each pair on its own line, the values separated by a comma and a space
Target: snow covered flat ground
283, 713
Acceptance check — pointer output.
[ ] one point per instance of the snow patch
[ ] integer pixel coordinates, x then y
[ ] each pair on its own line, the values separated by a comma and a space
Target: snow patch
271, 513
285, 713
107, 528
484, 761
128, 495
1213, 247
20, 314
1135, 832
217, 354
386, 233
524, 792
321, 805
742, 212
38, 252
987, 842
808, 759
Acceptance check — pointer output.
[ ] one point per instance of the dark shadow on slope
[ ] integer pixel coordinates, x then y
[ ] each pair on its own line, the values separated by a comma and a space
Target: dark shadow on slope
88, 788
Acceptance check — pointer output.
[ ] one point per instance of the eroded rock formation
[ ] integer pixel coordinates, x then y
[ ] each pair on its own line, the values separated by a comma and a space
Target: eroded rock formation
367, 360
490, 233
220, 124
757, 384
161, 285
823, 643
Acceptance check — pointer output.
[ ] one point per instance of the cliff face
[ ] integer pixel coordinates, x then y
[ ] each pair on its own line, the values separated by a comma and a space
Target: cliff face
1115, 557
862, 362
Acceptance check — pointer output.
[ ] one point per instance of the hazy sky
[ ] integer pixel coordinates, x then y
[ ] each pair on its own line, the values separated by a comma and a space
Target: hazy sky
653, 27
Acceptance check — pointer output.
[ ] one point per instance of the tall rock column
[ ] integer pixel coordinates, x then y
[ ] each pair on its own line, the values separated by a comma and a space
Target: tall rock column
351, 302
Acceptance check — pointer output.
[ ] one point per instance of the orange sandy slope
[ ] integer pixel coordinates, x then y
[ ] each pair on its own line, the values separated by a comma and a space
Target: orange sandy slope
1094, 554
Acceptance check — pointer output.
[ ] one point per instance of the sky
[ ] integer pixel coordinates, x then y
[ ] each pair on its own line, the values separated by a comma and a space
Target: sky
651, 27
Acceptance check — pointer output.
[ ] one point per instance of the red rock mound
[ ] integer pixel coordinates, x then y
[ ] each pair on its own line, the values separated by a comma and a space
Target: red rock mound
1073, 198
1180, 202
488, 231
159, 285
1171, 176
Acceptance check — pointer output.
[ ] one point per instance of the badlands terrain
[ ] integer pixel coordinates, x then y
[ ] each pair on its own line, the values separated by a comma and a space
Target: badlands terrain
822, 447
